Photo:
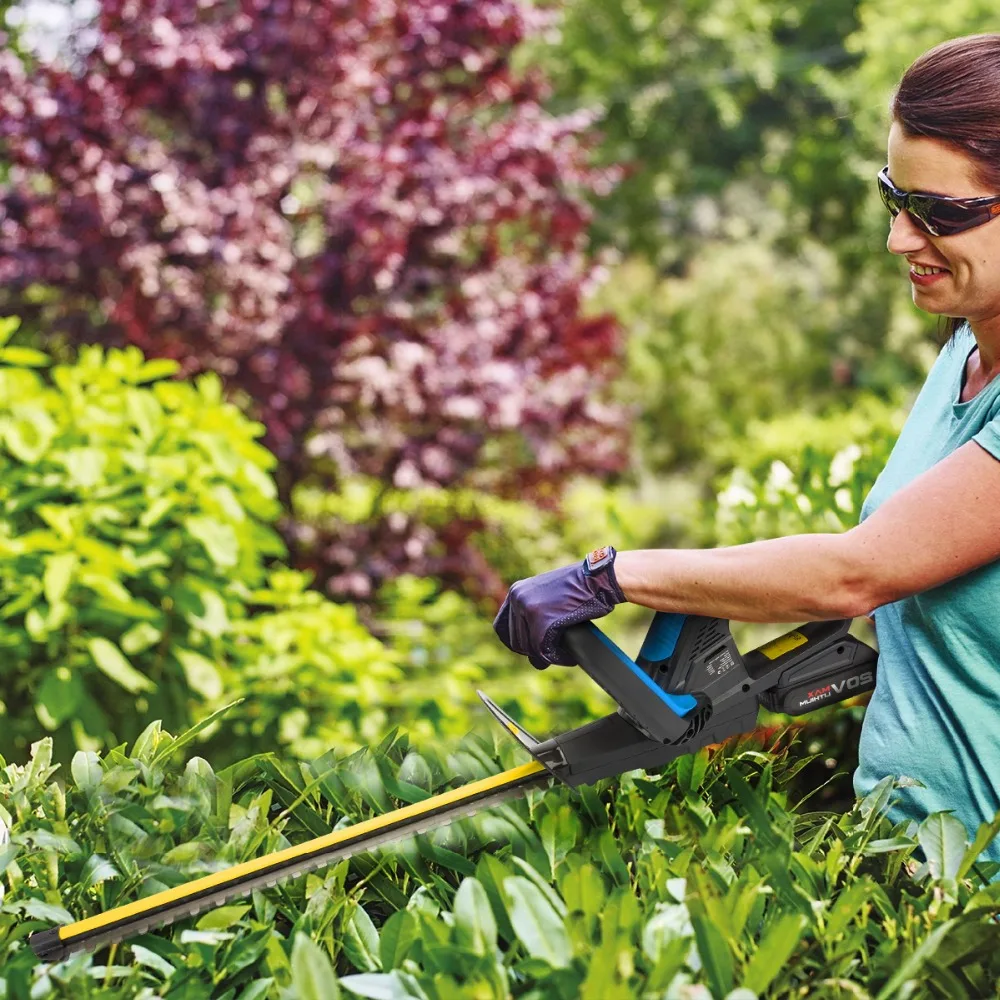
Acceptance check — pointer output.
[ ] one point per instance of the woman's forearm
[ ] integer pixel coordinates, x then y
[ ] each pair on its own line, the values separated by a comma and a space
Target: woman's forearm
798, 578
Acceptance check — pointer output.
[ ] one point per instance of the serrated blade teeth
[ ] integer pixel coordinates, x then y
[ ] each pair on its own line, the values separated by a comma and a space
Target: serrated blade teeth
171, 905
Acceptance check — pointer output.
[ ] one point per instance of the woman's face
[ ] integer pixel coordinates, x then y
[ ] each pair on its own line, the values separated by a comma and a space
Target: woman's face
970, 283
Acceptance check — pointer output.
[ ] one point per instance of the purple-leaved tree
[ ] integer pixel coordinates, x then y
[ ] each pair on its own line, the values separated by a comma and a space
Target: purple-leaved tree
359, 216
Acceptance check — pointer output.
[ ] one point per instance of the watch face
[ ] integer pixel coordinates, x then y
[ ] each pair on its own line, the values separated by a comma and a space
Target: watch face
599, 557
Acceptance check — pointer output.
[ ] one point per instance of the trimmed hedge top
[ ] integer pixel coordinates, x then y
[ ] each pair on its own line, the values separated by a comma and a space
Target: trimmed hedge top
702, 881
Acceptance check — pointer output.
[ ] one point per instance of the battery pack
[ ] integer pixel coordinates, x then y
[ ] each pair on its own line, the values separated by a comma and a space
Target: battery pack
841, 670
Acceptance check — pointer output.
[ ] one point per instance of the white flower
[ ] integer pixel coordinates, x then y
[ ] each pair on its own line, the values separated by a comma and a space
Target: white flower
737, 495
780, 475
842, 466
842, 498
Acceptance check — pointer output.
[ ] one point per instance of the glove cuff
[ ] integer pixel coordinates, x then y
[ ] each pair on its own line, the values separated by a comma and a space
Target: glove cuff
601, 563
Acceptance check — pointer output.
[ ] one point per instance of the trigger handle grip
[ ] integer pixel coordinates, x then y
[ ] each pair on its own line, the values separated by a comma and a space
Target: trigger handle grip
659, 714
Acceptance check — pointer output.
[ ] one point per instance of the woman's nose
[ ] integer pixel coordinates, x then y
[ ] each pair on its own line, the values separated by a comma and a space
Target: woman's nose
905, 236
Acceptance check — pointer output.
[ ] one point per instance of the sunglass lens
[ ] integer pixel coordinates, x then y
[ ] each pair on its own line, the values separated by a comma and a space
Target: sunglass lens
889, 198
935, 216
949, 219
923, 211
919, 209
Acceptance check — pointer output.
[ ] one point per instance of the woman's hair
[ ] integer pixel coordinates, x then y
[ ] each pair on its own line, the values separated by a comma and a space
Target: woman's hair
952, 93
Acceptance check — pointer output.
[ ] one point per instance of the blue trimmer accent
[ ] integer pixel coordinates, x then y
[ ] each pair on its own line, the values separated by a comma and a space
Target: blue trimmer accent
661, 639
655, 711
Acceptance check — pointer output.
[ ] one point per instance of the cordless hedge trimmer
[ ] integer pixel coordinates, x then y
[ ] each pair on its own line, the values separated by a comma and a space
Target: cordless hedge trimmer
688, 688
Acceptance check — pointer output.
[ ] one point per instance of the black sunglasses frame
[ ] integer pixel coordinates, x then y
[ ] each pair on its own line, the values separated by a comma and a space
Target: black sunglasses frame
935, 214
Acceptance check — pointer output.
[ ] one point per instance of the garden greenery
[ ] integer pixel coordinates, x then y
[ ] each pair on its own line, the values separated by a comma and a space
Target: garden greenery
141, 578
705, 880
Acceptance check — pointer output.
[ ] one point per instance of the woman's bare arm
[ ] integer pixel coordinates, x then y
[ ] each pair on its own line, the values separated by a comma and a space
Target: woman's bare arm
940, 526
797, 578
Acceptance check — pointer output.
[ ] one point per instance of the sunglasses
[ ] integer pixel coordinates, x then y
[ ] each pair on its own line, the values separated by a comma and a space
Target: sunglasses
935, 215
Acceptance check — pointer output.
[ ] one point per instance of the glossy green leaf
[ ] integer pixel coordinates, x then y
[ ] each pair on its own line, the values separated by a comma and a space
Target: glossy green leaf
168, 748
984, 837
776, 946
583, 890
155, 368
716, 955
378, 986
40, 910
541, 883
145, 413
313, 975
58, 574
361, 941
60, 695
397, 936
97, 870
559, 832
110, 660
537, 925
691, 769
222, 918
218, 539
86, 769
202, 674
151, 960
491, 874
477, 929
23, 357
943, 839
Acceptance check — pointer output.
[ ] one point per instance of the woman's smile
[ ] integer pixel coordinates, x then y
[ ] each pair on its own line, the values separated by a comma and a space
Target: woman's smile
924, 277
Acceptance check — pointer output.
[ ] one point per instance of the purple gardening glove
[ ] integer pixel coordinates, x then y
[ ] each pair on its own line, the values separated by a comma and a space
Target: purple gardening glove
536, 610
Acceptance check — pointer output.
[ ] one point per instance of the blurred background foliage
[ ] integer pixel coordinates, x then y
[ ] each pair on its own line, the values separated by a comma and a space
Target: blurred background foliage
666, 238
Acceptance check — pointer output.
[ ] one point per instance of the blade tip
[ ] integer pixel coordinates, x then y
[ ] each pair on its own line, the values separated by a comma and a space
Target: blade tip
48, 946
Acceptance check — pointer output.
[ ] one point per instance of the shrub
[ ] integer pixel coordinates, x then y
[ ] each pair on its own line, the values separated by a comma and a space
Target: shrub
388, 266
140, 579
134, 512
313, 679
639, 886
806, 473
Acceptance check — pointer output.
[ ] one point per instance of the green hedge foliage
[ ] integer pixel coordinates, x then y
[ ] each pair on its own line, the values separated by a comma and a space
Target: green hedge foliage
706, 880
806, 473
135, 513
141, 578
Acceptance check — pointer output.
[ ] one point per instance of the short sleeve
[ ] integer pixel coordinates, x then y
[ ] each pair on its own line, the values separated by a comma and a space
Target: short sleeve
989, 436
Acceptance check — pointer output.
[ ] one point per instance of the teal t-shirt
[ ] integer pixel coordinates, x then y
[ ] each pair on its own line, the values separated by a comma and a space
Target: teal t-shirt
935, 712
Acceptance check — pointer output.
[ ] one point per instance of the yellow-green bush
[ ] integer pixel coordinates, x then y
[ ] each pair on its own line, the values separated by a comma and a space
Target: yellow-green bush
141, 578
134, 513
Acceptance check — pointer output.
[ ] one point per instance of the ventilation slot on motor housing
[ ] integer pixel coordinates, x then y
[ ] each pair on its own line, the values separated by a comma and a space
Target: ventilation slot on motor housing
707, 639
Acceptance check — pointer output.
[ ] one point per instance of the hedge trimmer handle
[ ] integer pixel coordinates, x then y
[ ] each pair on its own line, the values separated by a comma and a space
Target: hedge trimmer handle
690, 687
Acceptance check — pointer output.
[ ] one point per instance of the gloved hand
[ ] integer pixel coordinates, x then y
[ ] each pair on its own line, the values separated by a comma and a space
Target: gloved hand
535, 611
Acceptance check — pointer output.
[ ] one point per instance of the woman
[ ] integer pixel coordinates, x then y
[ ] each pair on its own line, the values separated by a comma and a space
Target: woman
924, 555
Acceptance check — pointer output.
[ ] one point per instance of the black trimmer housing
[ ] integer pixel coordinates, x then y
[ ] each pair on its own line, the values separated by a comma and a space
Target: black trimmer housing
690, 687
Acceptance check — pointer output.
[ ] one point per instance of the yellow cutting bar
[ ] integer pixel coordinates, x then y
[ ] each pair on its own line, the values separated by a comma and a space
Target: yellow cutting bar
215, 889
